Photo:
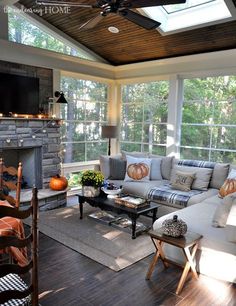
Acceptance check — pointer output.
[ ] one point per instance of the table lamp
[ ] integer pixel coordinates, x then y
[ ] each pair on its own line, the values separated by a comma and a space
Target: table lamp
109, 131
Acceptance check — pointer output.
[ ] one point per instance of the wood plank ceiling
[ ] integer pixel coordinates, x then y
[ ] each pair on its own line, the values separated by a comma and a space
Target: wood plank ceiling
134, 44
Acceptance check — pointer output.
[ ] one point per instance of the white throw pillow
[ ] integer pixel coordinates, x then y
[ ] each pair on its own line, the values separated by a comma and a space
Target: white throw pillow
137, 169
222, 211
232, 174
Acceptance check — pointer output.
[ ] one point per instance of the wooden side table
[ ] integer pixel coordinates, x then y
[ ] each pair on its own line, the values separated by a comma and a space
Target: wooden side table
188, 243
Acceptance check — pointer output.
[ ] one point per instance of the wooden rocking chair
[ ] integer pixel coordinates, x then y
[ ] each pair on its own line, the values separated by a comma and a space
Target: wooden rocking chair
13, 289
10, 185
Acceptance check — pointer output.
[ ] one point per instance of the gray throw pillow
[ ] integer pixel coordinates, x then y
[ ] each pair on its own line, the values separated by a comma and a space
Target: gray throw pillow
219, 175
117, 169
156, 169
166, 165
104, 161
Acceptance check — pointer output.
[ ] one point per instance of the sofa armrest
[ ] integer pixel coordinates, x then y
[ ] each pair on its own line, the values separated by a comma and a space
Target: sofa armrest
231, 224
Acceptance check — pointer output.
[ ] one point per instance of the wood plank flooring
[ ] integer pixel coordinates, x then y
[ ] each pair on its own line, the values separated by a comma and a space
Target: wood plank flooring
67, 278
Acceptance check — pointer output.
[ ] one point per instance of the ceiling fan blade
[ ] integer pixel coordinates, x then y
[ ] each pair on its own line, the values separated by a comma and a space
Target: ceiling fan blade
140, 20
148, 3
91, 23
64, 3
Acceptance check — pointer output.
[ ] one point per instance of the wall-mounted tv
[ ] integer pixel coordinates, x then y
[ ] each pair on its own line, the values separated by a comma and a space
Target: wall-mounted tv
18, 94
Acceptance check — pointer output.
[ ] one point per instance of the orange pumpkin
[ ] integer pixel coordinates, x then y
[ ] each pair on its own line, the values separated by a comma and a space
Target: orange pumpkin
137, 171
228, 187
58, 183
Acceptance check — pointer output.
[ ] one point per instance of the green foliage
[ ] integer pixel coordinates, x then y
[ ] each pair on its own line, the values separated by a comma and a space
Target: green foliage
208, 119
84, 115
73, 180
24, 32
91, 178
144, 115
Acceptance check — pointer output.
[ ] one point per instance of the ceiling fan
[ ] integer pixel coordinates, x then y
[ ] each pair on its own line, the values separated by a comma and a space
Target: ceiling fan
120, 7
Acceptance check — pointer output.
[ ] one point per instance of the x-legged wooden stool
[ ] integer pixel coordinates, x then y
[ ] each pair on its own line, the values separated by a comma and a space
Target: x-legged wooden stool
189, 245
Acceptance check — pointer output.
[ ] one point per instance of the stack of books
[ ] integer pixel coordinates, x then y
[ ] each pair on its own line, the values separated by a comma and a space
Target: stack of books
131, 202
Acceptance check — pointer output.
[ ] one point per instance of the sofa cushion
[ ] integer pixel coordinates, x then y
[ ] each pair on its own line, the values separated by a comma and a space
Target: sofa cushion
219, 175
202, 176
222, 211
117, 168
205, 195
231, 224
182, 180
137, 169
140, 189
156, 169
166, 165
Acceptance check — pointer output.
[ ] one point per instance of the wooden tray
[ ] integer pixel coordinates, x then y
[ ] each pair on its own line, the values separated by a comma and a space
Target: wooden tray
125, 201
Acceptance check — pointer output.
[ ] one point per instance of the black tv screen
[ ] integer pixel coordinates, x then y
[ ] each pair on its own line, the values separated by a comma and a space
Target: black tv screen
18, 94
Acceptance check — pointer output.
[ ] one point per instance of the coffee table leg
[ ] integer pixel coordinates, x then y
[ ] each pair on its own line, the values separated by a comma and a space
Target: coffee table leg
81, 209
154, 215
133, 227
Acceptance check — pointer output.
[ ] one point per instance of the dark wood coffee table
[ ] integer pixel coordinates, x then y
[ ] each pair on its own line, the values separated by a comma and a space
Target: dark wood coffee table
108, 204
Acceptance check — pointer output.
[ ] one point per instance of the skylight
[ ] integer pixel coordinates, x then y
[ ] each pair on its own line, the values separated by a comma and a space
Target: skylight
189, 15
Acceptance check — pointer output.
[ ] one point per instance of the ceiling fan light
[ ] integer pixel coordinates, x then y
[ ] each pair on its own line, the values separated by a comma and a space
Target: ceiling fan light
113, 30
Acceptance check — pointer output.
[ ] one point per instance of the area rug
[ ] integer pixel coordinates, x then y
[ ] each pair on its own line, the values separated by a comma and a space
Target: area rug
109, 246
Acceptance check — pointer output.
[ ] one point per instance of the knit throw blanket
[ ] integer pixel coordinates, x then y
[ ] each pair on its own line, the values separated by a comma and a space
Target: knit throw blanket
196, 163
171, 197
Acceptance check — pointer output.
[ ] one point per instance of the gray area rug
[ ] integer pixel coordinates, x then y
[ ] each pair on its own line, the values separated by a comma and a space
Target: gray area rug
105, 244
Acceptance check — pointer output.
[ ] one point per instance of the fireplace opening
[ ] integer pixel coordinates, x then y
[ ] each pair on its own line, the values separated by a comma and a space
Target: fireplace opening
31, 159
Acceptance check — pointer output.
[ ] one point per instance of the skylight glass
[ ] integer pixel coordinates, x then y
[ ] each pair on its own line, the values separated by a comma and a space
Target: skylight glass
189, 15
184, 6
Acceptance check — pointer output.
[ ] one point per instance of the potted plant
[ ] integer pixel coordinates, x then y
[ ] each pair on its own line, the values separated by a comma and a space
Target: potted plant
91, 182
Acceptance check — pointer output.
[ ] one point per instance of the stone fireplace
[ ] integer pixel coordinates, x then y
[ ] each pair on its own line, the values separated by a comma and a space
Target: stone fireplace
36, 143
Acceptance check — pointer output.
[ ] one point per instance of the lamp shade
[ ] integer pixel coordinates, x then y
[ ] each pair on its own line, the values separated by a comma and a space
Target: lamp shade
60, 96
109, 131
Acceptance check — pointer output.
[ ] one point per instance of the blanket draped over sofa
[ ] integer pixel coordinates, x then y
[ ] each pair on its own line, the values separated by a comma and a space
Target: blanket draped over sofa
170, 196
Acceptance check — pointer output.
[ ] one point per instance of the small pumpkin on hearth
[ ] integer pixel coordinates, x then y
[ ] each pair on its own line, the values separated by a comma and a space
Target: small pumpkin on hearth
58, 183
137, 171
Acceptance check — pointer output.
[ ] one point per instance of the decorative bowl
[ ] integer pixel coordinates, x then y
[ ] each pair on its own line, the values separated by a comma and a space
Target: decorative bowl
111, 192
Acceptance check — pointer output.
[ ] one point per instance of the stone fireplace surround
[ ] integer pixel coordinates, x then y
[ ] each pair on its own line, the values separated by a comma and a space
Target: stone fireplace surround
36, 143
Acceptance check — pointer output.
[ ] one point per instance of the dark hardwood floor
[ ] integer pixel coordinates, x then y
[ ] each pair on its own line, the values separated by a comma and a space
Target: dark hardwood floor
69, 278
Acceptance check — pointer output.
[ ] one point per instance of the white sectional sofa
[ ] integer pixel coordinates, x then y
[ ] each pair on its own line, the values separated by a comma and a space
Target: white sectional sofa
216, 256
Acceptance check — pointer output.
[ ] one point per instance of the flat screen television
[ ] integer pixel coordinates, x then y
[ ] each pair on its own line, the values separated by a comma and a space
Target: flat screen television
18, 94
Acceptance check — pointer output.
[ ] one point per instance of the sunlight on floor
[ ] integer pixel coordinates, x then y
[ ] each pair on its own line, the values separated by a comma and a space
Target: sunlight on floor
215, 287
45, 293
112, 235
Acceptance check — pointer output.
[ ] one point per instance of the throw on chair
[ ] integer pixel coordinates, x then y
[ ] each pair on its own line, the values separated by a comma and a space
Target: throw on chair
13, 289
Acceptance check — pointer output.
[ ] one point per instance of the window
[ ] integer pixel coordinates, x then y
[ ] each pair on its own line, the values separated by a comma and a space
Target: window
24, 32
83, 116
208, 129
193, 13
144, 117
